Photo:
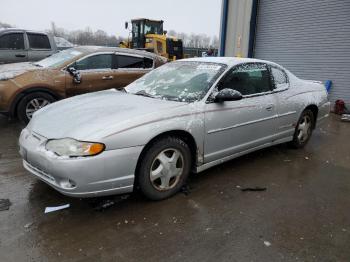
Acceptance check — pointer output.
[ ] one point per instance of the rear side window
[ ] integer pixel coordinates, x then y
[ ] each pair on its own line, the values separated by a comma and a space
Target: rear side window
248, 79
103, 61
38, 41
279, 78
124, 61
14, 41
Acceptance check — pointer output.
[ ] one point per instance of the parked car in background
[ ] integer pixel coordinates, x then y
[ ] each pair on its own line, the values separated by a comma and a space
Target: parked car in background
186, 115
27, 87
18, 45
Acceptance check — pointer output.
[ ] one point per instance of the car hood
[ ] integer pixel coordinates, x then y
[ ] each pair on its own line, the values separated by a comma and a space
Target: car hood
9, 71
94, 115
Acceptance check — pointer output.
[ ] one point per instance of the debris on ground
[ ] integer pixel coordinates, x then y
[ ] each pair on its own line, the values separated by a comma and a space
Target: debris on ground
345, 117
53, 209
5, 204
105, 203
28, 225
253, 189
307, 158
267, 243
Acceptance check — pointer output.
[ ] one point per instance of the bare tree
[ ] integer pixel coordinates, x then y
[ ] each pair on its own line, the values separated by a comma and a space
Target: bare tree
196, 40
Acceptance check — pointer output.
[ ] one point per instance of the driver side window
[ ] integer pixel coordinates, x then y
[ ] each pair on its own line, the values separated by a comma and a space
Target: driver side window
103, 61
248, 79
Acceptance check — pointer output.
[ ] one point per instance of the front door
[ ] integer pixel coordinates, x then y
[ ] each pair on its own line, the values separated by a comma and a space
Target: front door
236, 126
96, 74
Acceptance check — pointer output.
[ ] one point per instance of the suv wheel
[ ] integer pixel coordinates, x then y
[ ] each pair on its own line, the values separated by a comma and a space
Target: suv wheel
32, 103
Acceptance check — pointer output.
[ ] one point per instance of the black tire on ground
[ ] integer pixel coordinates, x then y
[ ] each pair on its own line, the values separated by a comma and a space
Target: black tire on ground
31, 98
300, 141
148, 162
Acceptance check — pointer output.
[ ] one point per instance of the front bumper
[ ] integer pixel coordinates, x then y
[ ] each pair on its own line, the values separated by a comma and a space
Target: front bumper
111, 172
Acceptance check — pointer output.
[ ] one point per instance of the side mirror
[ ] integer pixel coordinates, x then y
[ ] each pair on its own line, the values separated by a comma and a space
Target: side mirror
126, 25
75, 73
227, 94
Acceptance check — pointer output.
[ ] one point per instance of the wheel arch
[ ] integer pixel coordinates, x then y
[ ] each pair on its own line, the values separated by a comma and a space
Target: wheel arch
23, 93
184, 135
314, 110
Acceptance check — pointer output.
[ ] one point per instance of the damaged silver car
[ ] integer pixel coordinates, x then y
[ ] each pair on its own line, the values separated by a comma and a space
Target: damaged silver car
187, 115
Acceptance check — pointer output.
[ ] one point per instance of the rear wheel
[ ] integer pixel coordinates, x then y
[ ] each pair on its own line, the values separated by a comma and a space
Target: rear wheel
164, 168
303, 130
32, 103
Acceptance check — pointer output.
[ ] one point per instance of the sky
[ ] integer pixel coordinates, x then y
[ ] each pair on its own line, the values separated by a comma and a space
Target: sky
189, 16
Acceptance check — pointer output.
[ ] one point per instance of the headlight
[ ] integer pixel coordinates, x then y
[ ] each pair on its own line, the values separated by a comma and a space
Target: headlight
73, 148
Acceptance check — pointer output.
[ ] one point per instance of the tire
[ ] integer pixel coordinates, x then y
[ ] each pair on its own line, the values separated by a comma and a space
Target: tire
160, 175
31, 103
303, 130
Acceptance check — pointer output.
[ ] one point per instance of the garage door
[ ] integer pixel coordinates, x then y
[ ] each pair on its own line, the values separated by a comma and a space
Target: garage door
310, 38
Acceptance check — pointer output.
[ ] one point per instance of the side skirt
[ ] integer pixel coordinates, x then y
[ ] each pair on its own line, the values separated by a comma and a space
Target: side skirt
227, 158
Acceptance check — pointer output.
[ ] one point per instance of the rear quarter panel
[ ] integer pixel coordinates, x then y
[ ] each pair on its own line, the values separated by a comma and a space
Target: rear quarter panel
304, 93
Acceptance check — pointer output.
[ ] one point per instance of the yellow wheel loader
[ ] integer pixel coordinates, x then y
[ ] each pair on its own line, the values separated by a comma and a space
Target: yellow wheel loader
149, 35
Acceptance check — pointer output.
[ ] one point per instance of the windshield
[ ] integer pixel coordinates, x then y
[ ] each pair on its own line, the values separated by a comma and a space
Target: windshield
178, 81
59, 58
153, 28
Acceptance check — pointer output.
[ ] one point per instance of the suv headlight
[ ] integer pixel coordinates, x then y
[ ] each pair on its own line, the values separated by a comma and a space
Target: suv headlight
74, 148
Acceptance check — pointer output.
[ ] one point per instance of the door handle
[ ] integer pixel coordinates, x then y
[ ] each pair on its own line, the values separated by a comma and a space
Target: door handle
20, 55
269, 107
107, 77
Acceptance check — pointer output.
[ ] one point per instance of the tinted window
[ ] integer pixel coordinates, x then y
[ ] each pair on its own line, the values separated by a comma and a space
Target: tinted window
280, 78
12, 41
38, 41
95, 62
124, 61
248, 79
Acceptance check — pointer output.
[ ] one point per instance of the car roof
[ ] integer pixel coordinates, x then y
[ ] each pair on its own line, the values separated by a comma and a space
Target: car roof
21, 30
230, 61
94, 49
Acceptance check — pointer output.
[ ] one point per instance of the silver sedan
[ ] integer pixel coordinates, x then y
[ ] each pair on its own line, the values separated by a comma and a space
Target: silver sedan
185, 116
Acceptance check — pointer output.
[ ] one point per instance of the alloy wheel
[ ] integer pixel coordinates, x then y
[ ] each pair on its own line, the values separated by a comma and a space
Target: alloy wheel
304, 128
34, 105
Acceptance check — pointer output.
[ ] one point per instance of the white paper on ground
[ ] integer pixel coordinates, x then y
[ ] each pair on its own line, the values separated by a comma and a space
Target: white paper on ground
52, 209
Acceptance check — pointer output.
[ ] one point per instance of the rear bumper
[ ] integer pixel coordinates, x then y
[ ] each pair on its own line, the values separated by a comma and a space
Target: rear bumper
111, 172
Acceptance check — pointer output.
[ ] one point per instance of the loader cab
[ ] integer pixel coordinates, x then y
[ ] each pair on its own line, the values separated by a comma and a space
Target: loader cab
143, 27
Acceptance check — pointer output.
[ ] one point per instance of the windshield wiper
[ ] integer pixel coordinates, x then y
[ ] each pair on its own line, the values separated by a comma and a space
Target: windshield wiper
143, 93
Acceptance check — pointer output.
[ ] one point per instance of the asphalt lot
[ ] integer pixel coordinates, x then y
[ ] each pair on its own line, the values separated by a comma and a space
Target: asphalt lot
304, 215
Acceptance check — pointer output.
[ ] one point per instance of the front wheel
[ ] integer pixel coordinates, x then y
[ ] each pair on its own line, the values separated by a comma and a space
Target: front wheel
32, 103
303, 130
164, 168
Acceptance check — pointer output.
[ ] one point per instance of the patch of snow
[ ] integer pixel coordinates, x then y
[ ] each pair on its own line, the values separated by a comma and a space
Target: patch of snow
9, 71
